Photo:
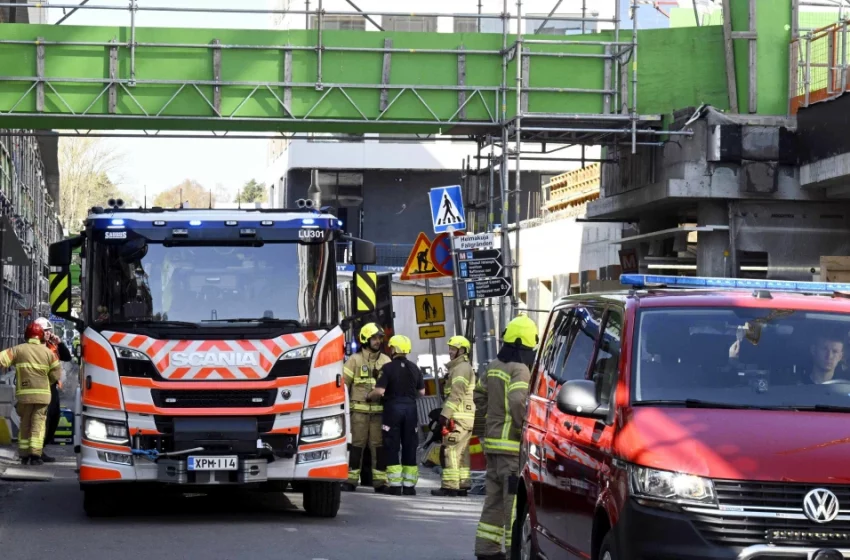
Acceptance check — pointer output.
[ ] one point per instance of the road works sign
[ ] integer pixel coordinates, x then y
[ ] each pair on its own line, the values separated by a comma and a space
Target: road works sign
419, 265
447, 211
430, 309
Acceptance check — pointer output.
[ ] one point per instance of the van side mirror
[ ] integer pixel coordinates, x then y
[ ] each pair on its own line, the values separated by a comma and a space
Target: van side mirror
363, 252
578, 397
59, 254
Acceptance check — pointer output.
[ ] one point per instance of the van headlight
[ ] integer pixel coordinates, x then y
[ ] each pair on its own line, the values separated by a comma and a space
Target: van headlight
323, 429
105, 431
671, 486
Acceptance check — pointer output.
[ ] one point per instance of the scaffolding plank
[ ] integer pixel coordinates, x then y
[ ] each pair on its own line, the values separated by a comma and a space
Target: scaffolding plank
217, 75
385, 74
606, 80
39, 72
753, 62
731, 85
461, 81
113, 75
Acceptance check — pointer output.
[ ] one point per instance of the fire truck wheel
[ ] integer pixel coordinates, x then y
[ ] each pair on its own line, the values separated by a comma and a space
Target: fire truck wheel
321, 499
100, 501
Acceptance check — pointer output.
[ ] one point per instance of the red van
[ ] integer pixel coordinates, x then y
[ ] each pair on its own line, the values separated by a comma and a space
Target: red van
684, 424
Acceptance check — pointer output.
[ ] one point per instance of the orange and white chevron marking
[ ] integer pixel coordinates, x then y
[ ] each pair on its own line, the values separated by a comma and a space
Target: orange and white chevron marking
206, 360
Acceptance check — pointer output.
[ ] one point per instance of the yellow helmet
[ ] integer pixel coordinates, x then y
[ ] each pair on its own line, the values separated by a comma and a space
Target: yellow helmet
522, 330
460, 342
400, 344
368, 331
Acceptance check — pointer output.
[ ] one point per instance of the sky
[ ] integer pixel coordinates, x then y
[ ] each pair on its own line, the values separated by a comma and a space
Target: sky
157, 164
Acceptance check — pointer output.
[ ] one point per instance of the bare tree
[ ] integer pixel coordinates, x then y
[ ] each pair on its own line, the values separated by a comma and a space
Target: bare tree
189, 191
85, 167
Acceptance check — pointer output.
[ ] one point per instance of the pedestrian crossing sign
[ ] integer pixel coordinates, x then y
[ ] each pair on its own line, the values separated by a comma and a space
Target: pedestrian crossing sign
447, 210
419, 265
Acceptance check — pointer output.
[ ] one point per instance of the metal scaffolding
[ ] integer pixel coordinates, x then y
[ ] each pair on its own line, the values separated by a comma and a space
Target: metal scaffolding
500, 137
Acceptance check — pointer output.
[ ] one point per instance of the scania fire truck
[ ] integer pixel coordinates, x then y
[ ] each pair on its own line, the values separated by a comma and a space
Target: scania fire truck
212, 352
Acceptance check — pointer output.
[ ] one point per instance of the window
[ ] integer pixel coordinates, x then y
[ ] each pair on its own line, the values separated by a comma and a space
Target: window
470, 25
546, 355
583, 331
410, 23
608, 357
339, 23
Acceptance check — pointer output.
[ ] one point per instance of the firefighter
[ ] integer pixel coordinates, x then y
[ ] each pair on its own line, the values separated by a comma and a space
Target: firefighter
400, 384
361, 373
501, 393
36, 369
53, 410
456, 420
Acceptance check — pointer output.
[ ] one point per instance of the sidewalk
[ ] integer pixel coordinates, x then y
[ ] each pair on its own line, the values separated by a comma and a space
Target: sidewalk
12, 470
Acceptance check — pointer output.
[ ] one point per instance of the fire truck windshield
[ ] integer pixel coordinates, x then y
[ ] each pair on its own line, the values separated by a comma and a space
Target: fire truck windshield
204, 284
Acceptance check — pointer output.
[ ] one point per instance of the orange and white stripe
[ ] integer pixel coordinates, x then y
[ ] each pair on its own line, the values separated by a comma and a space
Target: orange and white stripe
264, 353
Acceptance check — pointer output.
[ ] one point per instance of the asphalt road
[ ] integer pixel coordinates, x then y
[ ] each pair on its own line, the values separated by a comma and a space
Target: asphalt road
39, 520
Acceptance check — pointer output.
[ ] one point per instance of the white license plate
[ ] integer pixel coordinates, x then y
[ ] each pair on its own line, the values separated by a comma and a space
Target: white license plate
213, 464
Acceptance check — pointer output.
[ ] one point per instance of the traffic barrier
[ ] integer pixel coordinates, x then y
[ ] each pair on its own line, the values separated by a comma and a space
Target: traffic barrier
65, 430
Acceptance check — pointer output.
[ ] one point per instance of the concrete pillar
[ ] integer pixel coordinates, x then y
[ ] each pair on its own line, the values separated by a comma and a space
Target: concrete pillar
653, 246
713, 247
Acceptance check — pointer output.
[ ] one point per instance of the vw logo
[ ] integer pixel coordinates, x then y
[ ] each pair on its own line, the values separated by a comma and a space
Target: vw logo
820, 505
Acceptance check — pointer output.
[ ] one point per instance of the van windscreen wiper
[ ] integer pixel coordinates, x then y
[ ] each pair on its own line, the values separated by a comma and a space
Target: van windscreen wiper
696, 403
152, 322
263, 320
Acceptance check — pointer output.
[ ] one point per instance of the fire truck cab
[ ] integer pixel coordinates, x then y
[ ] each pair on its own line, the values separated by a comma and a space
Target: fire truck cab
212, 352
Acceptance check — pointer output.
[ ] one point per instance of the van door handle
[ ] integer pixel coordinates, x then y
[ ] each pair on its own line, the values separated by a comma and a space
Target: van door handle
568, 425
577, 428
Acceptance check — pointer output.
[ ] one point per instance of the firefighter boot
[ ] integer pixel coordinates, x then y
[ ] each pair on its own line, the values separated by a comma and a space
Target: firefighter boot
348, 487
47, 458
445, 492
409, 491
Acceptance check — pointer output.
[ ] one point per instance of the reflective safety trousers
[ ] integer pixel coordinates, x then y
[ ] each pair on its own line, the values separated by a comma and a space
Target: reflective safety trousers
36, 368
362, 371
460, 384
501, 393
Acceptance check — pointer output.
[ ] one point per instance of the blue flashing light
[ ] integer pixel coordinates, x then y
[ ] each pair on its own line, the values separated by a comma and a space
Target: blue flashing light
339, 223
195, 223
308, 221
117, 222
640, 281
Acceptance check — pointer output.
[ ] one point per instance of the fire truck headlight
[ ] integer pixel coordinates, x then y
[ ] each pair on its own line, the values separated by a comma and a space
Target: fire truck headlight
129, 353
303, 352
323, 429
105, 431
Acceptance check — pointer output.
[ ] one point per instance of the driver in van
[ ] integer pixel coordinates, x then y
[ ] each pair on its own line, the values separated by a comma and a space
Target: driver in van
827, 354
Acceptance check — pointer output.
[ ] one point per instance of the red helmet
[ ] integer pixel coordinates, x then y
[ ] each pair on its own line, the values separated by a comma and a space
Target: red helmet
34, 330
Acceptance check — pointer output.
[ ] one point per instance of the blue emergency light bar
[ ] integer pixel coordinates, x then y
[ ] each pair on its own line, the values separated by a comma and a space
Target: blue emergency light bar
642, 281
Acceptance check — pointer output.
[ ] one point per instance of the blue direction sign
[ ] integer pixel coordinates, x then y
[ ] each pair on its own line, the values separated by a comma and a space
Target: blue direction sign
447, 211
488, 288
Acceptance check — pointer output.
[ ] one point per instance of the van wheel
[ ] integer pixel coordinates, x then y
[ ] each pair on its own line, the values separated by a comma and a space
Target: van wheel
608, 549
522, 547
100, 502
322, 499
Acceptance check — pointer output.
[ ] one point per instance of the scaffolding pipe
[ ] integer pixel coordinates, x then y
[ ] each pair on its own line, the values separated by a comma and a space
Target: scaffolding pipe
518, 150
634, 75
62, 19
504, 167
319, 48
552, 13
133, 8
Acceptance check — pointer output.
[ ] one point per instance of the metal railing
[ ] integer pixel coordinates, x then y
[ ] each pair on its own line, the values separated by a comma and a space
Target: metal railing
389, 254
819, 65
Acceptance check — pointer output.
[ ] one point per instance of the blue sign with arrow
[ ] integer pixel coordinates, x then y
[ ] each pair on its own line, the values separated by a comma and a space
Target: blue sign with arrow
447, 212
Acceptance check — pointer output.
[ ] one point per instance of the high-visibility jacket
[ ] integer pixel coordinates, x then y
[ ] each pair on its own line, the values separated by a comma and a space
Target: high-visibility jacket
501, 393
362, 371
460, 384
36, 368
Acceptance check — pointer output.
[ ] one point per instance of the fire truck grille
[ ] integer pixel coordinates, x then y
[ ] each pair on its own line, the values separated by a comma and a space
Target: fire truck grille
164, 398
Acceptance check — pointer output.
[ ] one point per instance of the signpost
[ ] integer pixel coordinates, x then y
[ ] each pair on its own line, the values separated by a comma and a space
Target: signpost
430, 308
441, 254
488, 288
479, 264
430, 332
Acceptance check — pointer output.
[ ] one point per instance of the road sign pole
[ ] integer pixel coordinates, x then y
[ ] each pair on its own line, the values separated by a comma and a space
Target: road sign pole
458, 305
433, 344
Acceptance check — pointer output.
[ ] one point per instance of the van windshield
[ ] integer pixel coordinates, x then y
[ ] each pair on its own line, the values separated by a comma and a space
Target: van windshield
771, 358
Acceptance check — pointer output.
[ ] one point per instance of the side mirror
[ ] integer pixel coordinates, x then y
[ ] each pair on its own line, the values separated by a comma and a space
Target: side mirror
578, 397
60, 253
363, 252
